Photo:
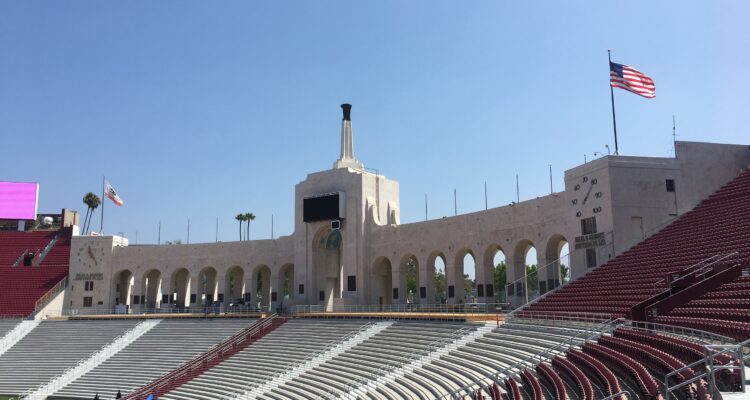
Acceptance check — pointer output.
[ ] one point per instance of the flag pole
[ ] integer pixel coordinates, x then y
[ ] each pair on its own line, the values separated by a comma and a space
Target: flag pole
612, 97
101, 225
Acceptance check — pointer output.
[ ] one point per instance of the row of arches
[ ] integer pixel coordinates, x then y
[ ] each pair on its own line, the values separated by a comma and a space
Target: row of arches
498, 276
154, 289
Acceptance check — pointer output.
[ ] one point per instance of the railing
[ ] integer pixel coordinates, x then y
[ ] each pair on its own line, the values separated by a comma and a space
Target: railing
619, 395
86, 363
703, 336
697, 267
411, 358
205, 357
736, 350
555, 318
530, 362
669, 390
40, 257
207, 311
54, 291
467, 308
277, 372
525, 279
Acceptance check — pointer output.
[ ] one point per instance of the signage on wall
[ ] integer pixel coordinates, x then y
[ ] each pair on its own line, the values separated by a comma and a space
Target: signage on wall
589, 241
89, 277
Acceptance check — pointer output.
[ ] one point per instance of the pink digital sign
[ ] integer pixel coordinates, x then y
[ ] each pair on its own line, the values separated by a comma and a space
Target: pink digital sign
18, 200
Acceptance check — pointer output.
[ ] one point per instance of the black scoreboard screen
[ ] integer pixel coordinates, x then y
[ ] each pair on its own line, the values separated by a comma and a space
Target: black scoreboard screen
324, 207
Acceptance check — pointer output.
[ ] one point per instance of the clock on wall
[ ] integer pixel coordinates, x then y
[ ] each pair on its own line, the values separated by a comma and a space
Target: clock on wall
586, 194
90, 256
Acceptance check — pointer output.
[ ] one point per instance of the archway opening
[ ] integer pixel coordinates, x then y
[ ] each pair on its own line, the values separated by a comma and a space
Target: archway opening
262, 286
466, 284
409, 281
152, 289
495, 274
523, 282
208, 286
382, 281
234, 285
557, 262
181, 288
436, 280
439, 281
123, 283
327, 256
285, 285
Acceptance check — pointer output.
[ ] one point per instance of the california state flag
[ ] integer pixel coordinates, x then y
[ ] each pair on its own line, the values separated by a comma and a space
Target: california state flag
111, 193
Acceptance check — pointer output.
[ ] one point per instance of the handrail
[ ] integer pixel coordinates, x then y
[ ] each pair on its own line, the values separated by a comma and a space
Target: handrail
704, 336
696, 376
39, 258
526, 277
206, 356
51, 293
696, 268
461, 308
619, 395
193, 310
531, 361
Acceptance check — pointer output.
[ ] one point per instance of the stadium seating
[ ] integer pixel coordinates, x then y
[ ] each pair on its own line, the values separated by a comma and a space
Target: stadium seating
52, 347
14, 244
7, 325
21, 286
157, 352
717, 227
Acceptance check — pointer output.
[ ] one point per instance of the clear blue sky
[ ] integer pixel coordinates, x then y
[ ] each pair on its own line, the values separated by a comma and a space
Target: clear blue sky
203, 110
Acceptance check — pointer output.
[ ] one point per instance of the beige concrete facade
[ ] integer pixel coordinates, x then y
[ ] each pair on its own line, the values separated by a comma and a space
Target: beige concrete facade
365, 261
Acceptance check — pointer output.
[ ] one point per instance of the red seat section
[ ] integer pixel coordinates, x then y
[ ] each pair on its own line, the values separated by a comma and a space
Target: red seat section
21, 286
718, 226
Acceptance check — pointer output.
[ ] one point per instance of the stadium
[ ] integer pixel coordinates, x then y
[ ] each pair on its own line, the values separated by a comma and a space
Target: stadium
655, 302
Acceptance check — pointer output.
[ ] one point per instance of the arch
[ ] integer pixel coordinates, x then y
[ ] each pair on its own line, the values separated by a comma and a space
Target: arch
462, 276
517, 285
285, 285
409, 280
123, 282
180, 284
435, 278
328, 269
381, 281
234, 285
208, 286
152, 289
549, 278
261, 288
494, 270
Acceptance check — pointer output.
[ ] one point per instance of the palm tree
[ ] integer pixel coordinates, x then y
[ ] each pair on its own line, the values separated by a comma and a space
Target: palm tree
248, 217
92, 201
240, 218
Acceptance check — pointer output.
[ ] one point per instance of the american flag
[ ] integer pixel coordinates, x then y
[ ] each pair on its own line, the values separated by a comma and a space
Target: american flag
628, 78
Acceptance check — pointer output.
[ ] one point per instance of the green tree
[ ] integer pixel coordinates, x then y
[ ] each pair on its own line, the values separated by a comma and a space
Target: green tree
532, 281
248, 217
500, 279
440, 285
468, 287
92, 201
564, 270
411, 278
